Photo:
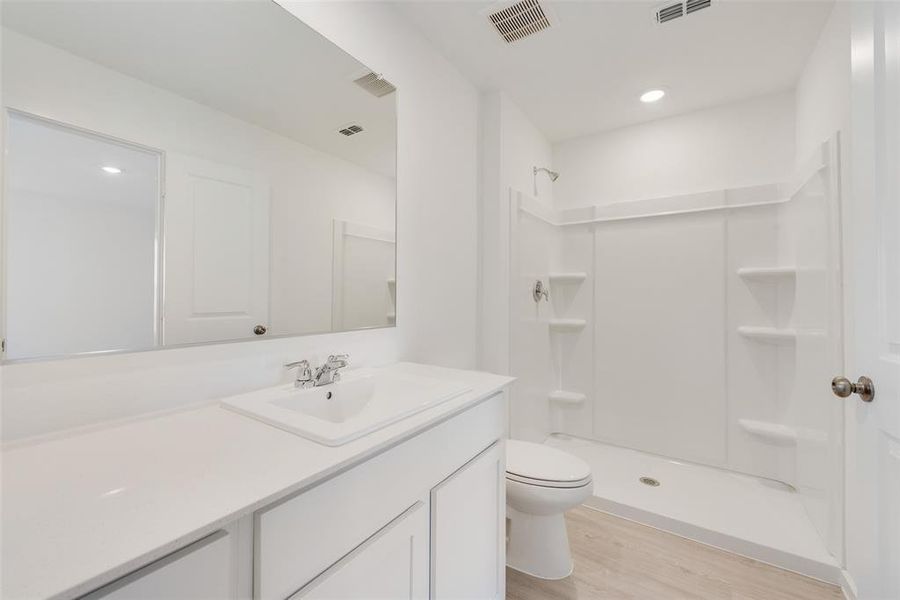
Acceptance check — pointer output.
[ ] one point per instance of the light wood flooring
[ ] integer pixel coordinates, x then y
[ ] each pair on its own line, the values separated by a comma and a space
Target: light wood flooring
617, 559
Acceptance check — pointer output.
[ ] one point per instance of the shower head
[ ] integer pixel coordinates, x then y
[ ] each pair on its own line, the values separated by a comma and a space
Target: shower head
552, 174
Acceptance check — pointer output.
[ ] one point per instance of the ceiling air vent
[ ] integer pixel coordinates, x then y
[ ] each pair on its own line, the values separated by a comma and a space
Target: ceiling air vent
375, 84
520, 20
667, 13
674, 10
350, 130
694, 5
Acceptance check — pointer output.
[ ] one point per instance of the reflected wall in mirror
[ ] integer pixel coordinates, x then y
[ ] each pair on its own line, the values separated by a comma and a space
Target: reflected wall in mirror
189, 172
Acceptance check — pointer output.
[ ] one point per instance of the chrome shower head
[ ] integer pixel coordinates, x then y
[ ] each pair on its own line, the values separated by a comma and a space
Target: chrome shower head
552, 174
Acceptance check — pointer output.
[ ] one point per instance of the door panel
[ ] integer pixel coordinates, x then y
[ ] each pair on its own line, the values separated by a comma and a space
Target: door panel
872, 247
468, 525
217, 252
390, 565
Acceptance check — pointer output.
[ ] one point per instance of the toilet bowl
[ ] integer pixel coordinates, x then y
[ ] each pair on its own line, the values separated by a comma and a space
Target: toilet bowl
542, 483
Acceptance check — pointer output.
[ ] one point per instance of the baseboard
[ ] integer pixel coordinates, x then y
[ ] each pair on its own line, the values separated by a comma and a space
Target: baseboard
848, 586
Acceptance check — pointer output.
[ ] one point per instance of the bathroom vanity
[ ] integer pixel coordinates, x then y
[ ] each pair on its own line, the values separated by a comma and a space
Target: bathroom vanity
209, 503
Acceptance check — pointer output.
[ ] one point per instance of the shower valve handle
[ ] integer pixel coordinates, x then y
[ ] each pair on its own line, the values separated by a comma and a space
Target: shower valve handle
539, 291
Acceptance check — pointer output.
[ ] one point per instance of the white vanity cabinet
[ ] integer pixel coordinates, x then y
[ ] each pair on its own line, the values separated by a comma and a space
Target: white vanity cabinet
422, 518
453, 472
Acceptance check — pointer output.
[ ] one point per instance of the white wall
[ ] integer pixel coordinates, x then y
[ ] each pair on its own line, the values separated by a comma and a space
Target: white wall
736, 145
437, 245
823, 90
511, 146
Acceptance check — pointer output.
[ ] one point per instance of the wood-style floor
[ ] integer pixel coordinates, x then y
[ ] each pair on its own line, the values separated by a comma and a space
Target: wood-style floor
617, 559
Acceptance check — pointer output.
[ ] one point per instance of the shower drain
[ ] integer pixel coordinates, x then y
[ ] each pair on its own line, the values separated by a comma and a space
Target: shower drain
649, 481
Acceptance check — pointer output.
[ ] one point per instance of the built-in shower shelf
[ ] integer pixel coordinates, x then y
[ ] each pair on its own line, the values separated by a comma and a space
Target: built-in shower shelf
573, 277
567, 325
771, 335
767, 273
567, 398
776, 433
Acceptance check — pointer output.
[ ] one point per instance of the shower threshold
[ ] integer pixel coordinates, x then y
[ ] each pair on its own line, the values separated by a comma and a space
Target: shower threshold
758, 518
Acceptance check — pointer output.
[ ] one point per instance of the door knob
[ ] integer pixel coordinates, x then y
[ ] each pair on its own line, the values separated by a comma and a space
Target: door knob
843, 387
260, 330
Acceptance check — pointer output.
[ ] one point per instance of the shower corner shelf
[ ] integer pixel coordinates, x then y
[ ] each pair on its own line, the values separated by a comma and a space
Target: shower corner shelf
567, 325
772, 335
392, 281
766, 273
569, 277
776, 433
567, 398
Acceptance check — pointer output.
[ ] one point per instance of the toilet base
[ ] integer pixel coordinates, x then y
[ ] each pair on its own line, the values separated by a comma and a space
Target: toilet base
538, 545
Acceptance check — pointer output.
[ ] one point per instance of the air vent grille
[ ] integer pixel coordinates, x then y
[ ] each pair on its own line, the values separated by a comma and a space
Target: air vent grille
670, 12
695, 5
520, 20
667, 13
375, 84
350, 130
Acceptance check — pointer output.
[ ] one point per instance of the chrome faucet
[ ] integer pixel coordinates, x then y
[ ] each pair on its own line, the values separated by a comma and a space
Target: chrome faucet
329, 372
324, 375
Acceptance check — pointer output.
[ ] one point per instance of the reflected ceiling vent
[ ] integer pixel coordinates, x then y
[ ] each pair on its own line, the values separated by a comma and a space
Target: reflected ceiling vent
520, 20
351, 129
674, 10
375, 84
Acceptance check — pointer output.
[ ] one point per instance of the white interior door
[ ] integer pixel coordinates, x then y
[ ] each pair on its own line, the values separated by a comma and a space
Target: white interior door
872, 248
216, 252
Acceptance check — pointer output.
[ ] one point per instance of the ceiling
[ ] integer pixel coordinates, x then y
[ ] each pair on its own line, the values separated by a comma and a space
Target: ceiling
250, 59
585, 73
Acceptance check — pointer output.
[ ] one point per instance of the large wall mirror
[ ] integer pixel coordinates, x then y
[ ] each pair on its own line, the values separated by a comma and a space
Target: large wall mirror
187, 173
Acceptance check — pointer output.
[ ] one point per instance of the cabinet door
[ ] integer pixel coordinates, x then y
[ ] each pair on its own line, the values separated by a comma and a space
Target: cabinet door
468, 520
391, 565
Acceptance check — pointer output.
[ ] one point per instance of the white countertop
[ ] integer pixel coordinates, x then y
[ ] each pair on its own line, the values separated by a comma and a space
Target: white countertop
81, 511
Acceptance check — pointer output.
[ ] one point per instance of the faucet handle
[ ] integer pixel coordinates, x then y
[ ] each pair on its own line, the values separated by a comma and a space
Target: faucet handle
338, 360
304, 372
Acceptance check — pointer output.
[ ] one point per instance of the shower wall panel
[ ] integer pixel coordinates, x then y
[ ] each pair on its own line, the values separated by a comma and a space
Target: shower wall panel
659, 335
534, 247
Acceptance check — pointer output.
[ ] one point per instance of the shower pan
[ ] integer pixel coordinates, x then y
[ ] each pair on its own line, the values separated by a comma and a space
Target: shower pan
684, 343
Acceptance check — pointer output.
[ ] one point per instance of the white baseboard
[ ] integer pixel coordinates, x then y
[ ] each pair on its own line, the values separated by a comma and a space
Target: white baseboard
848, 586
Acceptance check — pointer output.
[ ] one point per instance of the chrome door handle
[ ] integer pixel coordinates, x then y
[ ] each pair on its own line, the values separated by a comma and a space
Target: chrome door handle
843, 387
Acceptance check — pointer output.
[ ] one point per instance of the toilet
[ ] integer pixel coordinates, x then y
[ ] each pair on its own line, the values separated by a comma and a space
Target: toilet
542, 483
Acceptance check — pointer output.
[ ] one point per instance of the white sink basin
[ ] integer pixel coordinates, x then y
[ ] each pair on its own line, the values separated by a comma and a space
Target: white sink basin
362, 402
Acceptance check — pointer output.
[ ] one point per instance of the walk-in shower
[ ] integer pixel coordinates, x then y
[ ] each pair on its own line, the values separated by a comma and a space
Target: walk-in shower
681, 352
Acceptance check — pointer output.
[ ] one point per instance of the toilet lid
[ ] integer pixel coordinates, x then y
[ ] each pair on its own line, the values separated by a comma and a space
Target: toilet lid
542, 465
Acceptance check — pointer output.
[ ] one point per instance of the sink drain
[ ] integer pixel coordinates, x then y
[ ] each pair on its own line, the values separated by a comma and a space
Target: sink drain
649, 481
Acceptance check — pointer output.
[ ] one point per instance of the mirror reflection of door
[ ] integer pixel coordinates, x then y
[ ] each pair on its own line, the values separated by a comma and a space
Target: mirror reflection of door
82, 215
216, 252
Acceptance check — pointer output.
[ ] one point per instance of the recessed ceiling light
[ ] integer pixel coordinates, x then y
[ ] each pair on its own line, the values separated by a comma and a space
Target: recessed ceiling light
652, 95
112, 170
